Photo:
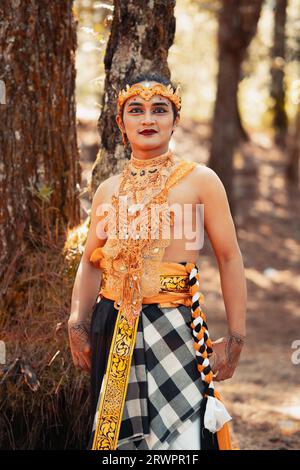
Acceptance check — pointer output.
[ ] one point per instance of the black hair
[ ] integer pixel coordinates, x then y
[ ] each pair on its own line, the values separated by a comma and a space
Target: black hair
151, 77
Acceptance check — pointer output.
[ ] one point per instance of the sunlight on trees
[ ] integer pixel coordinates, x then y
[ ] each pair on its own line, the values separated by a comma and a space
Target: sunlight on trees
193, 60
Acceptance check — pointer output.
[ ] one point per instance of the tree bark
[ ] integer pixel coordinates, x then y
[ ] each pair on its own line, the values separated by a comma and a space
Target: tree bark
40, 170
243, 134
280, 121
292, 170
141, 35
237, 25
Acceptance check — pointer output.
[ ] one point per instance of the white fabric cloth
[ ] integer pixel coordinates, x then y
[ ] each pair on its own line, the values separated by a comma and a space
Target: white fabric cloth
189, 438
216, 415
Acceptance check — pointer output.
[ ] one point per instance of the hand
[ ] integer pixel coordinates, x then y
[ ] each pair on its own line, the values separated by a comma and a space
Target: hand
225, 356
80, 345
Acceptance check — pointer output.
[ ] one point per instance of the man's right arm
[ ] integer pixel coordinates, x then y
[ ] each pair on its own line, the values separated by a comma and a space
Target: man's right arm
88, 278
86, 287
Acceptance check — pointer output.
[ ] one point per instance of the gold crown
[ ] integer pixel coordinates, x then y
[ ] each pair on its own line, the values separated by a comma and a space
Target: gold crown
148, 91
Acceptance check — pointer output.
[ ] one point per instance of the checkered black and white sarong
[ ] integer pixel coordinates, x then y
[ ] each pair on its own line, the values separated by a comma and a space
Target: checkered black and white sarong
165, 389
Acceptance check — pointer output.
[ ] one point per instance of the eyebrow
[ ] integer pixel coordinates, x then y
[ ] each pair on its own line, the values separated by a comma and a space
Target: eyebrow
160, 103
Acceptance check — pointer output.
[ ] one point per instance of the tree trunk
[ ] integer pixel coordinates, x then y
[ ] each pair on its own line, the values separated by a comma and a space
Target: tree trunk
237, 25
280, 121
141, 35
243, 134
292, 170
40, 171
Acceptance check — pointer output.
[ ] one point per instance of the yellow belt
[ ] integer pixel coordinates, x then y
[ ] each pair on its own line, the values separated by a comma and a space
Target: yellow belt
175, 290
174, 284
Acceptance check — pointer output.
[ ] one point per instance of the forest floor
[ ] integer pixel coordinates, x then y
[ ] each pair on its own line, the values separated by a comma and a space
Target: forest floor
263, 396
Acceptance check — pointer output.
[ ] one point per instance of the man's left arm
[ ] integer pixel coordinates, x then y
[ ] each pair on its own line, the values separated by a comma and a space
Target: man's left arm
221, 231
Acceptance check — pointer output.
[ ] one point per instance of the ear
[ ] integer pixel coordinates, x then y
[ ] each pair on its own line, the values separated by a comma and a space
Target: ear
119, 122
176, 122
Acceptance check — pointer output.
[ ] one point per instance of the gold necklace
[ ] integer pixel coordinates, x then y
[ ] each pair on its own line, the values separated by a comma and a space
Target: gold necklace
155, 161
146, 175
138, 237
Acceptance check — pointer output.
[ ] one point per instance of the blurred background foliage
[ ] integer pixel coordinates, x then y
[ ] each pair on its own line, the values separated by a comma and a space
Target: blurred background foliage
195, 44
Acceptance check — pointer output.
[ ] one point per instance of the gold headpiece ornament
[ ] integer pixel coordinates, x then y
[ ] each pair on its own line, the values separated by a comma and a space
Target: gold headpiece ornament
148, 91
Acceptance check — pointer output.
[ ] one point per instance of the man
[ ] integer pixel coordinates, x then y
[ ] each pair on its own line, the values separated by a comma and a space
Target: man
153, 364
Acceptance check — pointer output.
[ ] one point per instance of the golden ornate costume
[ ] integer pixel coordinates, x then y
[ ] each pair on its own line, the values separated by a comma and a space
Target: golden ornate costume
143, 401
134, 275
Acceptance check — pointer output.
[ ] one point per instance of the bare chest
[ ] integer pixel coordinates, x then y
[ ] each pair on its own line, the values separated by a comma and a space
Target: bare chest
179, 217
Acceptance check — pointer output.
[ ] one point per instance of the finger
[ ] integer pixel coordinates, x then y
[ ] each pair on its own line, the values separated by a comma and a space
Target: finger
88, 357
81, 362
78, 362
85, 361
87, 368
220, 362
87, 364
75, 358
89, 361
223, 374
219, 377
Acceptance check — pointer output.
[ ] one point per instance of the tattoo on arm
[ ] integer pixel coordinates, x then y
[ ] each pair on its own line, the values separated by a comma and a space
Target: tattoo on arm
79, 334
234, 344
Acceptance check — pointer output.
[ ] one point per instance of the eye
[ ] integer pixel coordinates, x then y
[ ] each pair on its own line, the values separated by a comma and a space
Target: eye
155, 109
134, 109
161, 109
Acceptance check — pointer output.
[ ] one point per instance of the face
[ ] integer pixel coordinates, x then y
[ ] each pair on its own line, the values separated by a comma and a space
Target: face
156, 114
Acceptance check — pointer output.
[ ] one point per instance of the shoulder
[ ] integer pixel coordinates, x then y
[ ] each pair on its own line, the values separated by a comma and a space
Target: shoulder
106, 188
200, 172
207, 182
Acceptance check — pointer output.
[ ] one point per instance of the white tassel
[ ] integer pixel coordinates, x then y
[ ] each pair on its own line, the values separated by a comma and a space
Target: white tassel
215, 415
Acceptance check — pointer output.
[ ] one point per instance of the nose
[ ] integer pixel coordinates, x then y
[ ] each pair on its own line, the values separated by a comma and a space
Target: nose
148, 119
